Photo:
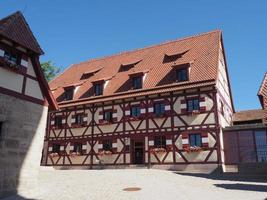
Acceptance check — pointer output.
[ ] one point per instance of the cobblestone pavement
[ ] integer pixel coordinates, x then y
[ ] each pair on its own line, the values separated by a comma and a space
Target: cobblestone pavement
154, 184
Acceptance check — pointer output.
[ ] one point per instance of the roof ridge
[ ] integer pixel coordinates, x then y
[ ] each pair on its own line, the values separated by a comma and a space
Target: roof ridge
148, 47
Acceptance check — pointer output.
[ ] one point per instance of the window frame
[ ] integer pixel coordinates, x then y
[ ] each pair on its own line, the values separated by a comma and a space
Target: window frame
195, 139
56, 148
110, 112
58, 121
161, 109
178, 75
98, 89
137, 82
77, 147
160, 141
107, 145
68, 94
135, 113
79, 119
197, 108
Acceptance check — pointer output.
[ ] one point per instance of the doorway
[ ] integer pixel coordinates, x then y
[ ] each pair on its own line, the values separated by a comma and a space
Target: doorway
138, 152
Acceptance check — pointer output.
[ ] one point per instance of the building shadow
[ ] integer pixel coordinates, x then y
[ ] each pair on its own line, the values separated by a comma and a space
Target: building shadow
241, 186
17, 197
219, 175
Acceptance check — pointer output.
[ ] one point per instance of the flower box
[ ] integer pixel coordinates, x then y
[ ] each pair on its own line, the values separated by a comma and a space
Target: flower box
102, 153
193, 149
52, 155
157, 150
73, 154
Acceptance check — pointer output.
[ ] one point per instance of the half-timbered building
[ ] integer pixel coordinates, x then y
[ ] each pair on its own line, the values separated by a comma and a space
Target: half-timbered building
24, 101
162, 106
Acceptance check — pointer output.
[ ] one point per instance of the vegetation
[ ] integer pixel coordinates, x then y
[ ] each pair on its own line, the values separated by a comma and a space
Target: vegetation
49, 70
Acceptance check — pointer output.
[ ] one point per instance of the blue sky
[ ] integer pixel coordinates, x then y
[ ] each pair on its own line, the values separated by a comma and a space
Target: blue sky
74, 31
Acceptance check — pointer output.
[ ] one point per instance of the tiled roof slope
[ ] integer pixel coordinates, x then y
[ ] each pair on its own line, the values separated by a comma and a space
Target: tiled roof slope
250, 115
263, 92
15, 28
201, 51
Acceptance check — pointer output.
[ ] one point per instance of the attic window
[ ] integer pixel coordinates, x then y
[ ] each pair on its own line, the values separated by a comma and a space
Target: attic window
69, 93
182, 74
128, 65
11, 57
88, 74
173, 56
98, 89
137, 82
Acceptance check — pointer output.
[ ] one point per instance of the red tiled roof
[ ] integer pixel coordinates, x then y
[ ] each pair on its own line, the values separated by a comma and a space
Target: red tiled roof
201, 51
15, 28
263, 92
250, 115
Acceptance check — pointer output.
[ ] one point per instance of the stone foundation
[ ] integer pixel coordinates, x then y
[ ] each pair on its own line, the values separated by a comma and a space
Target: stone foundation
21, 143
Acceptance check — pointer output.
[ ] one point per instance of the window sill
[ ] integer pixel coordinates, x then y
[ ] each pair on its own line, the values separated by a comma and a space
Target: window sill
106, 123
78, 125
135, 118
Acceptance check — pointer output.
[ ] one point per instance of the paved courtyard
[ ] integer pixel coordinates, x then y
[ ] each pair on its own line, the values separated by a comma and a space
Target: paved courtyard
154, 184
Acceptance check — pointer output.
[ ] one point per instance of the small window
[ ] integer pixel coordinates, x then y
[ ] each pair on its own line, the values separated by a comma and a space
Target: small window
107, 145
1, 131
160, 141
78, 119
135, 111
98, 89
159, 108
69, 94
77, 147
12, 58
222, 108
195, 140
182, 74
58, 121
108, 116
56, 148
137, 82
192, 104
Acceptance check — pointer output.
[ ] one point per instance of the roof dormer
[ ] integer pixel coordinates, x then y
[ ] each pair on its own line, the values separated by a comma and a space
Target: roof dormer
138, 78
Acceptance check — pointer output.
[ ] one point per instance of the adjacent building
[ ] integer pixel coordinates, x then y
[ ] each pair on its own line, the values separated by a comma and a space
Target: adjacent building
24, 101
245, 143
162, 106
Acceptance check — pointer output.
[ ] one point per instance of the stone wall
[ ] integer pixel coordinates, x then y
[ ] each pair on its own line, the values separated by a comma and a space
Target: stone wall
21, 145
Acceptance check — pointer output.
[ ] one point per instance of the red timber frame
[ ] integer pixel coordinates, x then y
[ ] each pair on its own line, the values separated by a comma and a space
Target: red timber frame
172, 132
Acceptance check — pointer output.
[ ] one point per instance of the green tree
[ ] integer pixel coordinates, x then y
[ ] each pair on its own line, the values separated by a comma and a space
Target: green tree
49, 70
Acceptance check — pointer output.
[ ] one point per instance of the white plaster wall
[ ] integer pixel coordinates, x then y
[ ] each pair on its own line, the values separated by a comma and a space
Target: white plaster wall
33, 89
11, 80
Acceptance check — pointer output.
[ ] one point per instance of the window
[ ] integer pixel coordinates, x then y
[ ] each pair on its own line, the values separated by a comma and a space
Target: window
107, 145
160, 142
1, 131
195, 140
56, 148
12, 58
98, 89
69, 94
58, 121
137, 82
135, 111
182, 74
78, 119
159, 108
222, 108
77, 147
108, 116
192, 104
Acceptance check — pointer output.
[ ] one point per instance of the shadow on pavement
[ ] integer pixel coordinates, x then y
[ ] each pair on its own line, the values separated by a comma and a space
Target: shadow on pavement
17, 197
240, 186
218, 175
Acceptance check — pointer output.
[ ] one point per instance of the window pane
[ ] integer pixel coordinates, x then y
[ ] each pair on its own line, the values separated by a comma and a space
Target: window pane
182, 75
56, 148
108, 116
137, 82
77, 147
195, 140
107, 145
190, 105
98, 89
135, 111
261, 145
196, 104
58, 121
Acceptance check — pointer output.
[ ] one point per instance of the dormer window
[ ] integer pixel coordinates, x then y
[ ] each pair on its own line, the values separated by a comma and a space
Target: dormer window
69, 94
137, 82
98, 89
182, 74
